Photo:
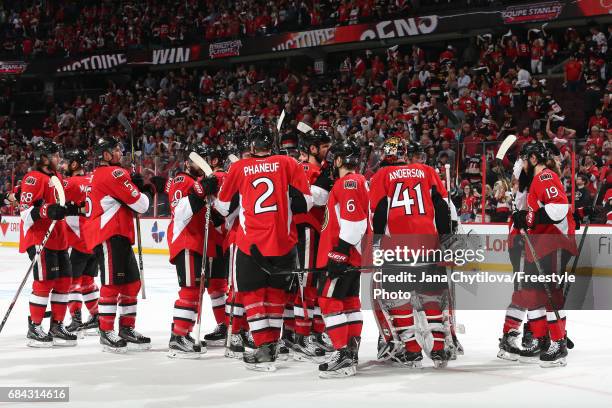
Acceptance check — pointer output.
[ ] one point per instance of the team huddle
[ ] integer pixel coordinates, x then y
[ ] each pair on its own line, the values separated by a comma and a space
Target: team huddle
280, 243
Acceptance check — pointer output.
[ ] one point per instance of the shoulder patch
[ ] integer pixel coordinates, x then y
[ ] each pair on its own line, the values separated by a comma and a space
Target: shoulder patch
350, 184
118, 173
65, 183
545, 176
30, 181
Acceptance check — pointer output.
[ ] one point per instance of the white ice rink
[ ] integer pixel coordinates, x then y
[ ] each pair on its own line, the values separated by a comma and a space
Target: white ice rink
150, 379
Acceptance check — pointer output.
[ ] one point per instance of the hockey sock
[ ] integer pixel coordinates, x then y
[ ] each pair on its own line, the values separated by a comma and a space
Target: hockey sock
217, 288
537, 321
303, 323
354, 317
75, 298
556, 328
257, 316
59, 298
318, 325
238, 320
335, 321
107, 306
275, 301
514, 317
39, 299
185, 311
288, 314
127, 303
90, 293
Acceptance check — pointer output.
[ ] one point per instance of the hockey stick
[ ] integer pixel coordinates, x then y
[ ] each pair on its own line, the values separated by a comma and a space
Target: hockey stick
62, 201
232, 289
201, 163
536, 260
128, 127
451, 286
582, 240
202, 276
304, 128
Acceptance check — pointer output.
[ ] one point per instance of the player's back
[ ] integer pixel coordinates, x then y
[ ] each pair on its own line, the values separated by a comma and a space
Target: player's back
263, 184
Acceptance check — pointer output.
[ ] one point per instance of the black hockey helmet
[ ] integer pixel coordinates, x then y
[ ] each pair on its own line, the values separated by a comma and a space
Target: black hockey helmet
76, 155
288, 143
348, 151
260, 138
199, 148
314, 138
45, 147
215, 152
414, 148
538, 149
105, 144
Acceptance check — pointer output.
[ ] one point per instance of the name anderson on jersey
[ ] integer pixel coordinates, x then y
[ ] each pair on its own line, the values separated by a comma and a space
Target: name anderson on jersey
406, 173
261, 168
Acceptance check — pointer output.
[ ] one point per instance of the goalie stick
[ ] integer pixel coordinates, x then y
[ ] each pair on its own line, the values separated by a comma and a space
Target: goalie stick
57, 184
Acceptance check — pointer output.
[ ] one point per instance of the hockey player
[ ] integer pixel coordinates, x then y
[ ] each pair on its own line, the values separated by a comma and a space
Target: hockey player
340, 248
52, 274
185, 242
270, 189
550, 229
308, 344
84, 263
110, 232
509, 344
409, 206
216, 268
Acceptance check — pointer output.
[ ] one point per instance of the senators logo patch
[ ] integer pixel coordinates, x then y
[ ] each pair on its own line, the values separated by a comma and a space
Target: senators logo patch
179, 179
65, 183
118, 173
545, 176
30, 181
350, 185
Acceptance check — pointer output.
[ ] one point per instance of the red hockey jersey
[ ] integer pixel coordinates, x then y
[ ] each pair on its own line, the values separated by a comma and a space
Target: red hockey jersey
546, 191
408, 191
113, 196
346, 218
36, 189
262, 184
314, 217
76, 189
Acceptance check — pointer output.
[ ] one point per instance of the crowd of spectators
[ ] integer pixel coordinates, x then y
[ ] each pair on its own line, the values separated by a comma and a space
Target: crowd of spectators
35, 28
458, 103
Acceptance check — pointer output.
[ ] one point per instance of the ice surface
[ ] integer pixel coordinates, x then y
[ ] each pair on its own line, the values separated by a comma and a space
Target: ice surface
150, 379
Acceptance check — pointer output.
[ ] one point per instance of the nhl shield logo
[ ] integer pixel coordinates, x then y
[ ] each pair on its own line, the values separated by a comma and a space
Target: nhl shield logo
158, 236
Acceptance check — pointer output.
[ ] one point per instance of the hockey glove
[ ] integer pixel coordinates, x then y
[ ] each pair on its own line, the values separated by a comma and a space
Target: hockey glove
49, 211
74, 209
138, 181
210, 185
337, 260
540, 217
324, 181
519, 219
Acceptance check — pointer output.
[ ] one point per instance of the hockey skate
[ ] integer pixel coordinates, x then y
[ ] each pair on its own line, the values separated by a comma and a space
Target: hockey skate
508, 346
235, 349
75, 324
440, 358
61, 336
135, 341
339, 365
306, 349
262, 358
37, 337
180, 347
555, 355
531, 354
407, 359
202, 348
353, 346
283, 353
322, 341
112, 343
91, 326
247, 340
216, 338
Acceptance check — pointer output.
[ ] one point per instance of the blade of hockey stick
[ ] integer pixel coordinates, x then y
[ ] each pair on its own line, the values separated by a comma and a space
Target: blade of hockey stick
503, 149
279, 124
304, 128
232, 158
201, 163
124, 122
59, 188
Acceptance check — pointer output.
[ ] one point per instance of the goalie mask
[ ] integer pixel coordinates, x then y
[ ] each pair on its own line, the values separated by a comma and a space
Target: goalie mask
394, 150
